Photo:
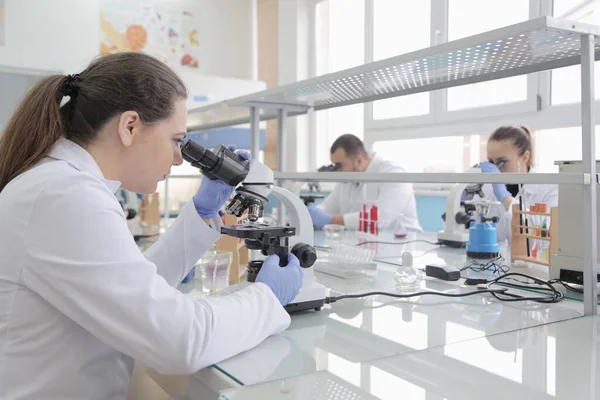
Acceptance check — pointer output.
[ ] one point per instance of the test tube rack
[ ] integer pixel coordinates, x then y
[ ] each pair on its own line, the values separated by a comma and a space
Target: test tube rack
522, 232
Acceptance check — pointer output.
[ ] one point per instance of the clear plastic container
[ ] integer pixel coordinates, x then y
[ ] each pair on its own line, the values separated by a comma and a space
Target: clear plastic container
334, 232
213, 270
345, 261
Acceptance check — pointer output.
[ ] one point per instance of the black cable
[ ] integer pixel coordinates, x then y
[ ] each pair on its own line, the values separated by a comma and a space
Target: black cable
491, 266
554, 297
410, 241
500, 294
565, 285
333, 299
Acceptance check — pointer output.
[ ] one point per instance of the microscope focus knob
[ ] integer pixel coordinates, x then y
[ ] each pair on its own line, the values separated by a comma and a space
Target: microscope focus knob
306, 254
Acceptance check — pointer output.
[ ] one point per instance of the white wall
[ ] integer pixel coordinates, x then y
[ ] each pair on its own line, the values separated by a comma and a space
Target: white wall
12, 88
64, 35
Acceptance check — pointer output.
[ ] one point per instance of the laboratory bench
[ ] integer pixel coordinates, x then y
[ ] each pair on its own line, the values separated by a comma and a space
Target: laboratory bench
379, 347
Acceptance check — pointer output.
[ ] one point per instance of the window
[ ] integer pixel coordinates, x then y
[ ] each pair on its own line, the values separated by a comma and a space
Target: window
565, 8
397, 32
340, 44
558, 145
439, 154
340, 31
566, 82
470, 17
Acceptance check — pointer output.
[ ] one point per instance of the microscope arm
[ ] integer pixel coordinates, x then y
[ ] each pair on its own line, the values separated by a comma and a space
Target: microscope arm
298, 214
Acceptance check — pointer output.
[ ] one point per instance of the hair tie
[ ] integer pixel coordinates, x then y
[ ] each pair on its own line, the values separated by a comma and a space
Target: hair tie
68, 87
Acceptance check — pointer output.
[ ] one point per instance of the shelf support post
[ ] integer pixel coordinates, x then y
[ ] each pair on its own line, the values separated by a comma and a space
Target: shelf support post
255, 132
588, 139
281, 157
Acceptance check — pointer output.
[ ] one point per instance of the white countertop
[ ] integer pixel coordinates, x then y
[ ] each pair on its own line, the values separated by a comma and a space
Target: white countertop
427, 347
555, 361
358, 347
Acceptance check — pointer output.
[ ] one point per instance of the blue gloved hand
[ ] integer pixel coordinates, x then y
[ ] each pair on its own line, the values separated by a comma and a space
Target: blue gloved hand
213, 194
285, 282
319, 217
500, 190
488, 167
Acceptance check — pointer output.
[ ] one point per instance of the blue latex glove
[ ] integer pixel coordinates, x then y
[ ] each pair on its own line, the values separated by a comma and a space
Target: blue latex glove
500, 190
285, 282
319, 217
213, 194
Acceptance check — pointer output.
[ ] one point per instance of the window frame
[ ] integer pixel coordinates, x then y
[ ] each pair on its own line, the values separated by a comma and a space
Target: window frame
438, 100
536, 111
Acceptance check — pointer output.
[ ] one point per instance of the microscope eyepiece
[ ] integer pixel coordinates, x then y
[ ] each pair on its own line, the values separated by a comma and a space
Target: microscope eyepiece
198, 155
221, 163
330, 168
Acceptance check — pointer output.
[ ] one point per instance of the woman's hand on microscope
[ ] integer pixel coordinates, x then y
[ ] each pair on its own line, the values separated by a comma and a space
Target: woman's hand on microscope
211, 196
285, 282
500, 190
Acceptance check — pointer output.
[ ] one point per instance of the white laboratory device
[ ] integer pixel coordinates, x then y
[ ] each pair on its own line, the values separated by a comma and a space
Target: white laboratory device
567, 264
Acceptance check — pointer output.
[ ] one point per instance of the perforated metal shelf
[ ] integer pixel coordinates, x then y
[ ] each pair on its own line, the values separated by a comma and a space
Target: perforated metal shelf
535, 45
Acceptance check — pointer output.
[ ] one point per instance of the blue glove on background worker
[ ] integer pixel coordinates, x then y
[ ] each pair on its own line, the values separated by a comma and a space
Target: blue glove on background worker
285, 282
500, 190
319, 217
213, 194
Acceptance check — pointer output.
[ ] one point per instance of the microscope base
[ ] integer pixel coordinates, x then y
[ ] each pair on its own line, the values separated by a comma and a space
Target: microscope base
453, 243
311, 297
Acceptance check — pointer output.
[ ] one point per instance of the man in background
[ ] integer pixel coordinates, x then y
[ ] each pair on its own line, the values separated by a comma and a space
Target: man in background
395, 201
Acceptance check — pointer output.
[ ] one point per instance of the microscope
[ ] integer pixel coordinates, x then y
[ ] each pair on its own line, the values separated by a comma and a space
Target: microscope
459, 214
463, 229
256, 185
314, 187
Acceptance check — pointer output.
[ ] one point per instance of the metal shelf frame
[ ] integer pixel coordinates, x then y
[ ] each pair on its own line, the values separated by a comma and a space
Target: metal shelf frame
531, 46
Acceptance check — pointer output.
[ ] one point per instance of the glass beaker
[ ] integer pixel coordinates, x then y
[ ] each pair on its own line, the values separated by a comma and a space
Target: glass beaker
213, 269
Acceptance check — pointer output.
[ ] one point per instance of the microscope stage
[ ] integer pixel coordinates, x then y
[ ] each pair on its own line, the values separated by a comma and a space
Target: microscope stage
256, 231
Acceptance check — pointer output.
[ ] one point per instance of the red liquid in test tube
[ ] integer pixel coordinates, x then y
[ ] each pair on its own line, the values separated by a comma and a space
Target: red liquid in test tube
375, 219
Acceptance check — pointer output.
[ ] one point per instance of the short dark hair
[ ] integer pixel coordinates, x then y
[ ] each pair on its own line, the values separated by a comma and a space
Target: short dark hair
351, 144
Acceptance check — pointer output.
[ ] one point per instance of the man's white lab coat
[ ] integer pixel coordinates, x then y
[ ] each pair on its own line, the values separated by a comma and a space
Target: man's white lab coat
395, 201
79, 301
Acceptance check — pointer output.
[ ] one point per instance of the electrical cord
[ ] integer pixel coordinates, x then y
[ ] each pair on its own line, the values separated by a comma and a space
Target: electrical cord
554, 295
491, 266
410, 241
503, 294
565, 285
333, 299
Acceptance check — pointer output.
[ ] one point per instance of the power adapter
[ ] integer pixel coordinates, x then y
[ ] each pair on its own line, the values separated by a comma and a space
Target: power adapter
443, 272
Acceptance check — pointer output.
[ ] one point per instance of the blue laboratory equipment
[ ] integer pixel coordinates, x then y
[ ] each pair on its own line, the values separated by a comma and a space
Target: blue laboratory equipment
483, 241
483, 250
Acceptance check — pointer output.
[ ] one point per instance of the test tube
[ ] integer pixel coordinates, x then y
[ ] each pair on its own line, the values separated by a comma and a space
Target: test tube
375, 217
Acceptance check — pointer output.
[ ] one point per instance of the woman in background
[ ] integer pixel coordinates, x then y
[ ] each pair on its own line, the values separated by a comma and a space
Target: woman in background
510, 149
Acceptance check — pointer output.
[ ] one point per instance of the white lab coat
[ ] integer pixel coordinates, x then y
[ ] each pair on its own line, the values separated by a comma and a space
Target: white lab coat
79, 301
395, 201
531, 194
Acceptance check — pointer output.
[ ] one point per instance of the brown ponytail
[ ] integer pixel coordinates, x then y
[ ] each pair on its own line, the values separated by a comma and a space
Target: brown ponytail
531, 158
32, 130
521, 138
109, 86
